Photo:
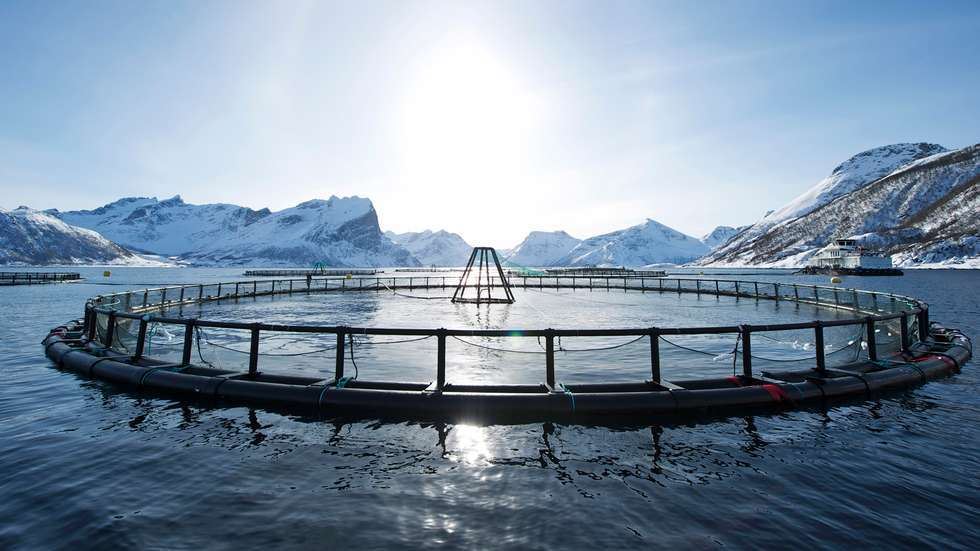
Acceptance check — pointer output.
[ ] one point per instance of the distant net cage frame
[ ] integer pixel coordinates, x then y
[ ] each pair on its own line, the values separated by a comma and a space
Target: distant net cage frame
116, 326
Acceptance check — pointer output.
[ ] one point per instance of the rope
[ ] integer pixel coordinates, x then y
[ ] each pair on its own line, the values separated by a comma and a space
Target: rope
411, 296
568, 393
497, 349
351, 339
373, 343
572, 350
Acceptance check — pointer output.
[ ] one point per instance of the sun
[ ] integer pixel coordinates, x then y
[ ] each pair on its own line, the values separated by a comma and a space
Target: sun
466, 117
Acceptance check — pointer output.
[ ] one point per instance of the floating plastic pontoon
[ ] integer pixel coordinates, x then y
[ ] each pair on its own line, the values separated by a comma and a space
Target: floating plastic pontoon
110, 343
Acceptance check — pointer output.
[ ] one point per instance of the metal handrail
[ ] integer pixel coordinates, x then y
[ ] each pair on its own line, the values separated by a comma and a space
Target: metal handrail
95, 307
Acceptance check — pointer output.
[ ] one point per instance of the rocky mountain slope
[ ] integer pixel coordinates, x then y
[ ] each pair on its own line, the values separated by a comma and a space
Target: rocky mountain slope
648, 243
336, 232
541, 248
434, 248
924, 211
31, 237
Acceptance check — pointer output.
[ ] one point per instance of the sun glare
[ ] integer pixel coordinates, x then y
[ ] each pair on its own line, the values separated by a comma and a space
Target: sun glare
466, 116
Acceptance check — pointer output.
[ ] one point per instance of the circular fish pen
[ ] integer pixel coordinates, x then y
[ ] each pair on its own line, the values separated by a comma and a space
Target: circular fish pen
397, 346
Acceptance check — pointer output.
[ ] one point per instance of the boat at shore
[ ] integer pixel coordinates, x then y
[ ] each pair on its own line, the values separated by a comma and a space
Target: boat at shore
847, 257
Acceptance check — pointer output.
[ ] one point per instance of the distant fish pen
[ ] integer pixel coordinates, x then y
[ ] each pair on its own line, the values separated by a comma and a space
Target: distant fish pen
432, 269
34, 278
615, 272
312, 271
893, 345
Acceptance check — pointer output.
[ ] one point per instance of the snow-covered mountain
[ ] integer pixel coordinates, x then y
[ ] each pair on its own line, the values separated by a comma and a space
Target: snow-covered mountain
720, 235
541, 248
924, 211
648, 243
337, 232
434, 248
32, 237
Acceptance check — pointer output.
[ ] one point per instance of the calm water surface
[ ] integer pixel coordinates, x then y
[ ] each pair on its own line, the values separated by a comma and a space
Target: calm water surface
85, 464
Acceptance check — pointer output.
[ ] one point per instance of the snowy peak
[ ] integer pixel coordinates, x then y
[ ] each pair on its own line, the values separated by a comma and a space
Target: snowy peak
922, 211
858, 171
720, 235
340, 231
648, 243
542, 248
434, 248
28, 236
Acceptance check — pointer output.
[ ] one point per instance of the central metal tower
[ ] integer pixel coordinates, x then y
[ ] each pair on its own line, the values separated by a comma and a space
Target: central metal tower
486, 280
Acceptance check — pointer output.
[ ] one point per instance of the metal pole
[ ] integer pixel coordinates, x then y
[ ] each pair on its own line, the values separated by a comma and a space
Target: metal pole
871, 339
746, 351
923, 323
253, 353
655, 355
821, 353
110, 329
188, 342
93, 324
906, 341
441, 360
339, 369
549, 349
141, 336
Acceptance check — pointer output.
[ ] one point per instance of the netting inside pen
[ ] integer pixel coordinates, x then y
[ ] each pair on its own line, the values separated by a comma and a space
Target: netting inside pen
514, 358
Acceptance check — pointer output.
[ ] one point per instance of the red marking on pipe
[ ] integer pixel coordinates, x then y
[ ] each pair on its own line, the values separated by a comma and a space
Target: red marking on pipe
777, 393
735, 380
946, 360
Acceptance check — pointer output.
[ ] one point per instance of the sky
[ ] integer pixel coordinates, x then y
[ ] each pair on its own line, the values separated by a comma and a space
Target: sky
488, 119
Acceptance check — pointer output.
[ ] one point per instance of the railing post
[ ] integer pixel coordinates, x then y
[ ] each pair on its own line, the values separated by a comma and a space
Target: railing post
441, 359
775, 287
923, 323
163, 297
746, 351
188, 342
181, 298
219, 290
549, 355
871, 339
92, 324
253, 352
905, 331
236, 289
146, 295
140, 338
756, 289
818, 344
110, 329
338, 373
255, 287
655, 354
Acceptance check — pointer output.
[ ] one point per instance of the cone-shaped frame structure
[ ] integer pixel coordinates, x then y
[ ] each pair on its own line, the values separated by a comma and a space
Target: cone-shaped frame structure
484, 286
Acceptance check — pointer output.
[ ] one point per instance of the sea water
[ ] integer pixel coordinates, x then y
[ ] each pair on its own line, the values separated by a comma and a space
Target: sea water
85, 463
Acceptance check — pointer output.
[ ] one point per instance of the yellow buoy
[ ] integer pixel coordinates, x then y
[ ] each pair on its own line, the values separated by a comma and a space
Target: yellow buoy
349, 276
106, 273
835, 279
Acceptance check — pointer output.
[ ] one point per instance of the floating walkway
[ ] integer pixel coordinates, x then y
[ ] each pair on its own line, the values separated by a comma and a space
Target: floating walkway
110, 343
310, 272
35, 278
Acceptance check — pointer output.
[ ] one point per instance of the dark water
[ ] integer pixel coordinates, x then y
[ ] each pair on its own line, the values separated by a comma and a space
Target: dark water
85, 464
